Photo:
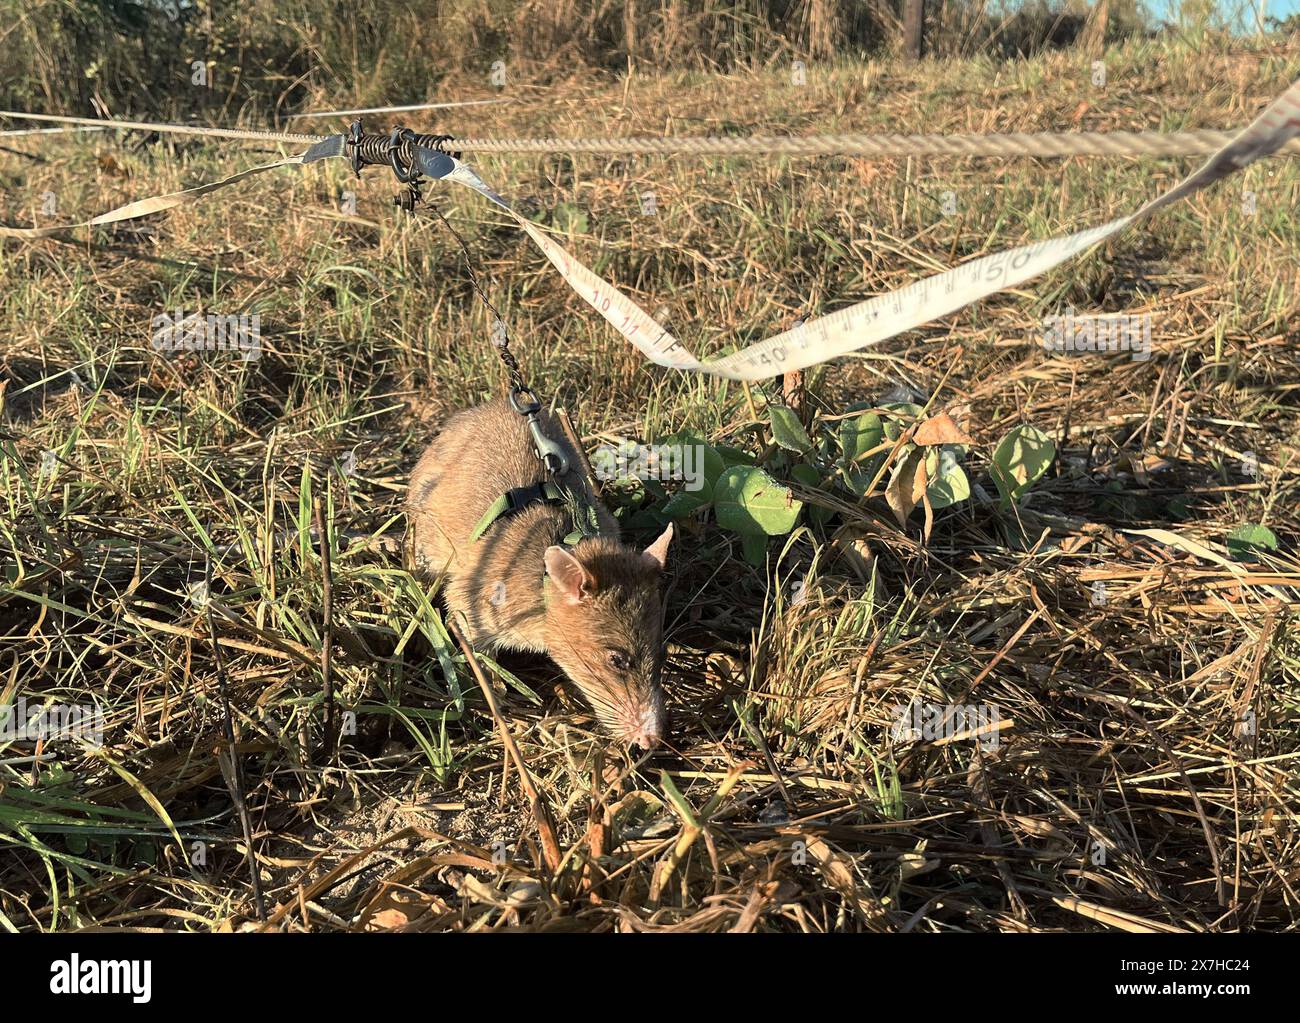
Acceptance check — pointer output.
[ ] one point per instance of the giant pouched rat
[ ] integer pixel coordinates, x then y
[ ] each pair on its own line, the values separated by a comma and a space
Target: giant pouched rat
593, 606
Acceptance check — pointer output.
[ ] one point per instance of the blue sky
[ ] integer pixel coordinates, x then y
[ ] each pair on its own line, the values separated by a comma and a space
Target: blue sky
1165, 9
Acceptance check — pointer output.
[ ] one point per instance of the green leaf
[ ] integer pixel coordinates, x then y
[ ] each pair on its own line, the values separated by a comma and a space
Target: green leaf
704, 458
749, 501
810, 477
145, 794
570, 218
678, 801
754, 547
444, 648
857, 437
807, 475
948, 483
860, 435
908, 415
684, 502
714, 466
304, 512
1245, 543
1020, 460
734, 456
787, 430
647, 518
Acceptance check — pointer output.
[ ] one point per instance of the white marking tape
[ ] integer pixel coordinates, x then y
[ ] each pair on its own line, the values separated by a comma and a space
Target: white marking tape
885, 316
143, 207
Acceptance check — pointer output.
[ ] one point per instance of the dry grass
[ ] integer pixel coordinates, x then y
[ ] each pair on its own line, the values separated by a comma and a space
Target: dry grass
1121, 793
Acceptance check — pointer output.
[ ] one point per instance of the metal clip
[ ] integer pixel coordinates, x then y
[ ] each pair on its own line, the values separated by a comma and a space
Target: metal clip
354, 144
551, 453
410, 173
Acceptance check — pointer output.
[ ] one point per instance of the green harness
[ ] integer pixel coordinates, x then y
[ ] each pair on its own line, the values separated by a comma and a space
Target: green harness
582, 514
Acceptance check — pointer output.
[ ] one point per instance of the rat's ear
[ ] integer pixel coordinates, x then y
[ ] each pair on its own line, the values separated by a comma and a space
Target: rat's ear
657, 552
572, 580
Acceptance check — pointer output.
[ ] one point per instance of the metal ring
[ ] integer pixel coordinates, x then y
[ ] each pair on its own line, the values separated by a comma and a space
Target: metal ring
519, 405
395, 141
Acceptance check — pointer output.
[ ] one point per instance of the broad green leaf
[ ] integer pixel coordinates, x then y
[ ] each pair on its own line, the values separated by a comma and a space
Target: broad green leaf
951, 488
714, 466
647, 518
749, 501
948, 483
787, 431
734, 456
807, 475
569, 218
811, 478
754, 547
907, 416
1245, 543
857, 437
860, 435
1020, 459
696, 456
684, 502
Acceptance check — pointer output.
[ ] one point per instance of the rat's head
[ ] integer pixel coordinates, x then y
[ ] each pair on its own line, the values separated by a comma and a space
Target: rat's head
604, 627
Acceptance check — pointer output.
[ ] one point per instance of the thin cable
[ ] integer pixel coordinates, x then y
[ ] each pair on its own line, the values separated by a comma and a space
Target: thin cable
394, 110
501, 342
174, 129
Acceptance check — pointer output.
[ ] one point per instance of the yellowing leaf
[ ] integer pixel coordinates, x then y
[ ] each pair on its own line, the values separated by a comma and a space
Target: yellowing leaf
907, 485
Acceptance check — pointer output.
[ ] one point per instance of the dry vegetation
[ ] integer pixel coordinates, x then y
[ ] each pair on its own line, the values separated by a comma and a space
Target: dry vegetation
1123, 792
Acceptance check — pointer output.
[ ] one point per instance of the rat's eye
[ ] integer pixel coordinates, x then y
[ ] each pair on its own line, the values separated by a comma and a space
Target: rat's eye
619, 660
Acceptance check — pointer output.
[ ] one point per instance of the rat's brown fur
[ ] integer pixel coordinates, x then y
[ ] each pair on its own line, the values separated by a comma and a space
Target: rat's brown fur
594, 608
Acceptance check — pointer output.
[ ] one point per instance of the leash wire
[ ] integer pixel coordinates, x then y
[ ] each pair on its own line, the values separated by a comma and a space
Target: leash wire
500, 333
523, 399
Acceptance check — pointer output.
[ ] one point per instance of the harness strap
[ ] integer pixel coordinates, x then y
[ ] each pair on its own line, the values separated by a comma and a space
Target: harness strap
517, 500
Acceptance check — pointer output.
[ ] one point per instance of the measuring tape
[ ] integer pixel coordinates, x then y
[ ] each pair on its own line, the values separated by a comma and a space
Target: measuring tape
838, 333
885, 316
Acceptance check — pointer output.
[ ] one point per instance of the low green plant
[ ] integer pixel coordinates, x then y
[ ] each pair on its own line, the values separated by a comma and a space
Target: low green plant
893, 450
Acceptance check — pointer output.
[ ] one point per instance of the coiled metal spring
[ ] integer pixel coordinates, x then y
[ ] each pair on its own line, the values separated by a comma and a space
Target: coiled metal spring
369, 149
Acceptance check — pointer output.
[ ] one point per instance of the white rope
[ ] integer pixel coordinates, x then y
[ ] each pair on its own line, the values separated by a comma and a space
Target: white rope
1006, 146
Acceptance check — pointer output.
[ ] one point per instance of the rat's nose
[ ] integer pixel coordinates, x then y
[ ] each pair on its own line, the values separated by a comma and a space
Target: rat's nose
647, 728
643, 740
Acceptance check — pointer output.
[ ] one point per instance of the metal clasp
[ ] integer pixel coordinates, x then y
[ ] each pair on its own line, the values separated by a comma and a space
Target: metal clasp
406, 175
551, 453
354, 145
